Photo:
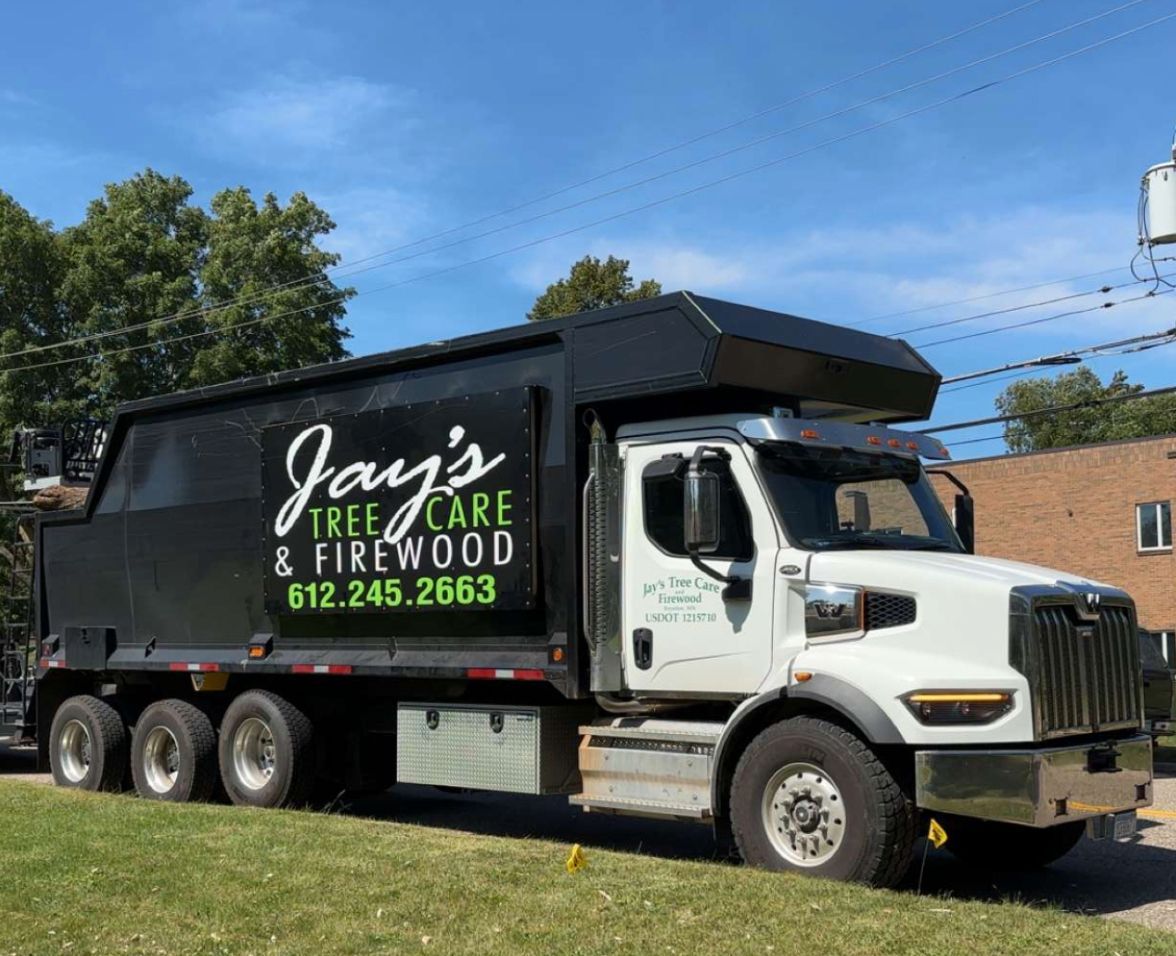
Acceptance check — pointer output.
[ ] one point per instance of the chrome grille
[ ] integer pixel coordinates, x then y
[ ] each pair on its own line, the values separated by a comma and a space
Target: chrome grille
888, 610
1083, 667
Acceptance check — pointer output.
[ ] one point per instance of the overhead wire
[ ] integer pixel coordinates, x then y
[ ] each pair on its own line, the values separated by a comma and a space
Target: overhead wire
1042, 320
738, 174
339, 272
350, 269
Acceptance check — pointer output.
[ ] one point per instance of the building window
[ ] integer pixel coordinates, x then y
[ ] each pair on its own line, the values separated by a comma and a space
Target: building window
1153, 521
664, 490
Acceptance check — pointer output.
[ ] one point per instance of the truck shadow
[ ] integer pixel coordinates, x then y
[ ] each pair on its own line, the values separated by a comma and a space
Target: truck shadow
1143, 873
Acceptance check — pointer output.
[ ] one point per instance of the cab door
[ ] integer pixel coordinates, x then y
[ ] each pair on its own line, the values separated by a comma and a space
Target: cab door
680, 634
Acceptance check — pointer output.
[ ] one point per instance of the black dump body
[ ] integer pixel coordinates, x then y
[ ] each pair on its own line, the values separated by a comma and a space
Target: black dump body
177, 561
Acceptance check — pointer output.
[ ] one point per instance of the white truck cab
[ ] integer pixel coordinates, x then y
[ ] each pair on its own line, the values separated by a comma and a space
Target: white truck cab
806, 571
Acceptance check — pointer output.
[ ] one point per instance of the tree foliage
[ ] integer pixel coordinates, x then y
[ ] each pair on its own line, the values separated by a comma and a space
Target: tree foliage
1137, 418
145, 255
592, 284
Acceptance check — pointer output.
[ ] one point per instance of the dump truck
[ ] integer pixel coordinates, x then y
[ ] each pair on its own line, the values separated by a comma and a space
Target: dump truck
672, 559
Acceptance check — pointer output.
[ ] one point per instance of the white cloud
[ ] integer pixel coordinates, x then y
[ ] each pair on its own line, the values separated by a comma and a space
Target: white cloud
854, 272
285, 115
373, 219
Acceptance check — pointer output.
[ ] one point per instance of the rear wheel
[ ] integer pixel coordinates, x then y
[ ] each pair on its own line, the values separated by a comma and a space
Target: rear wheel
811, 797
173, 753
1008, 846
88, 745
266, 752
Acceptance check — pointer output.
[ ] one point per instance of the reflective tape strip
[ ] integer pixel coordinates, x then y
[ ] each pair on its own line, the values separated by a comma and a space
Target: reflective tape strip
45, 662
183, 666
321, 668
503, 673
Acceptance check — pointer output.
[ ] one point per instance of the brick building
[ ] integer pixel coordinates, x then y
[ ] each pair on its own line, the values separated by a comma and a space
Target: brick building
1103, 511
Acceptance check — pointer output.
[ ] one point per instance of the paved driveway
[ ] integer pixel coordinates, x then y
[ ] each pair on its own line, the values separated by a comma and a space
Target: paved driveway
1128, 881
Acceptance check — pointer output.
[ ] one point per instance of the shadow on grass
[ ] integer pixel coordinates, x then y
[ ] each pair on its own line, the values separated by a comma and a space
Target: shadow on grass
1095, 878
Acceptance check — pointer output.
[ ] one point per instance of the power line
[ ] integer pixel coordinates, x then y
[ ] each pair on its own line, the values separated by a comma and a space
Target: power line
738, 174
1051, 410
1153, 338
349, 270
987, 295
1151, 294
1015, 308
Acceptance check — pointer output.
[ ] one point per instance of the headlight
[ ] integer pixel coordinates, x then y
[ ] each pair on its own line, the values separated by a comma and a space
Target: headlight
959, 707
831, 609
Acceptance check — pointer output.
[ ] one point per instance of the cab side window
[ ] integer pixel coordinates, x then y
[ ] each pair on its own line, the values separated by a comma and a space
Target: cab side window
663, 500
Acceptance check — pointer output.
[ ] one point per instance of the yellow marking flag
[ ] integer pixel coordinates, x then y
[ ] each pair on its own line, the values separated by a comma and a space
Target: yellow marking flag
576, 860
936, 834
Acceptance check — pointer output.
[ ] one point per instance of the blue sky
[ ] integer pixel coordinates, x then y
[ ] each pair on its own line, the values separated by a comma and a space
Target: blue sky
404, 120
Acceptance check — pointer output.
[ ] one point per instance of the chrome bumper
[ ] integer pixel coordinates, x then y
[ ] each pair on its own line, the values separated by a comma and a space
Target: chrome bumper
1037, 788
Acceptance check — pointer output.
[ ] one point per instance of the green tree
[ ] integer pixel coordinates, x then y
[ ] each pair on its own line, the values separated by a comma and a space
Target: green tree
31, 315
592, 284
1136, 418
144, 255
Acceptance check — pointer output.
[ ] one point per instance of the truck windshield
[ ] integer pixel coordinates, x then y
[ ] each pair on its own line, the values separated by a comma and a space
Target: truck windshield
830, 498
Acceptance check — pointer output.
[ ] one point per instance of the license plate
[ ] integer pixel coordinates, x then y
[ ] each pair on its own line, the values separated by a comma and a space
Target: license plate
1124, 826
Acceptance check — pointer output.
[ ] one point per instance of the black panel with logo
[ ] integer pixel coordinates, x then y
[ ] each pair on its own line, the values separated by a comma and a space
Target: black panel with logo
414, 508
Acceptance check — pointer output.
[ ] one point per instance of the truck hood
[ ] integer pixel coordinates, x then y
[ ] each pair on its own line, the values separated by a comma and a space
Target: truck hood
915, 570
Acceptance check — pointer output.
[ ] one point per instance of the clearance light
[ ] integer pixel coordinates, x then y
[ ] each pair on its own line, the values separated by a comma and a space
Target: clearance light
913, 445
959, 707
810, 433
873, 440
894, 443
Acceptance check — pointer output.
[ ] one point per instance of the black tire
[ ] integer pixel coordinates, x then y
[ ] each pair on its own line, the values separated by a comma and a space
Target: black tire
870, 840
286, 740
88, 745
1009, 847
179, 731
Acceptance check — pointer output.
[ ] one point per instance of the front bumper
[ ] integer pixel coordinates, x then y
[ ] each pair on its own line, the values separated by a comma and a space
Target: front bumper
1037, 788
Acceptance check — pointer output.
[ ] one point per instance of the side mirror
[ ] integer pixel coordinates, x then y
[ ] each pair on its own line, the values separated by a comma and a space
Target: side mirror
701, 511
965, 521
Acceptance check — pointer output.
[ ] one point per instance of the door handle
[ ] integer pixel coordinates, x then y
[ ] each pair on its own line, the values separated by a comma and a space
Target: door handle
643, 648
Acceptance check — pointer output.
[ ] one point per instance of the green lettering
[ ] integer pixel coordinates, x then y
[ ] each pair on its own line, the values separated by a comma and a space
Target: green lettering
314, 517
334, 514
503, 507
373, 519
353, 521
457, 518
478, 506
429, 515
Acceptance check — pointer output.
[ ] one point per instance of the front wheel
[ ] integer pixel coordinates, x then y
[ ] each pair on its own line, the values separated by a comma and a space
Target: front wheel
812, 797
1008, 846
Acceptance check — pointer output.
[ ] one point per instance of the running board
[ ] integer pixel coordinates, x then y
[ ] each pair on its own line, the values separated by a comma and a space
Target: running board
648, 767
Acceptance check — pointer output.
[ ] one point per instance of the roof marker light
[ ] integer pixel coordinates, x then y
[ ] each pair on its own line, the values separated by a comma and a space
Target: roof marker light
873, 440
894, 443
810, 433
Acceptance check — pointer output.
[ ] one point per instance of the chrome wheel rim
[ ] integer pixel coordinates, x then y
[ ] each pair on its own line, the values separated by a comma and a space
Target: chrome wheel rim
76, 751
161, 759
254, 755
804, 814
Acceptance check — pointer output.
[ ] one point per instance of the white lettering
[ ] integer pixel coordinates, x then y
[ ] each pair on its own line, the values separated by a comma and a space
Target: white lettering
503, 547
442, 539
473, 538
366, 475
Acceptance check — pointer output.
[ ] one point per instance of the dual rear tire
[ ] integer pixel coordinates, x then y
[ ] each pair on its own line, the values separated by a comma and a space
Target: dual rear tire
264, 757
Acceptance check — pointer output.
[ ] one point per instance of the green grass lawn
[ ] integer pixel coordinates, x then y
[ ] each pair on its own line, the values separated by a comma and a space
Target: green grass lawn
102, 874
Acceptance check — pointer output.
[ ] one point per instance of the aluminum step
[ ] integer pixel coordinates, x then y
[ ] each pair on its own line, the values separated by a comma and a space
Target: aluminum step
648, 767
